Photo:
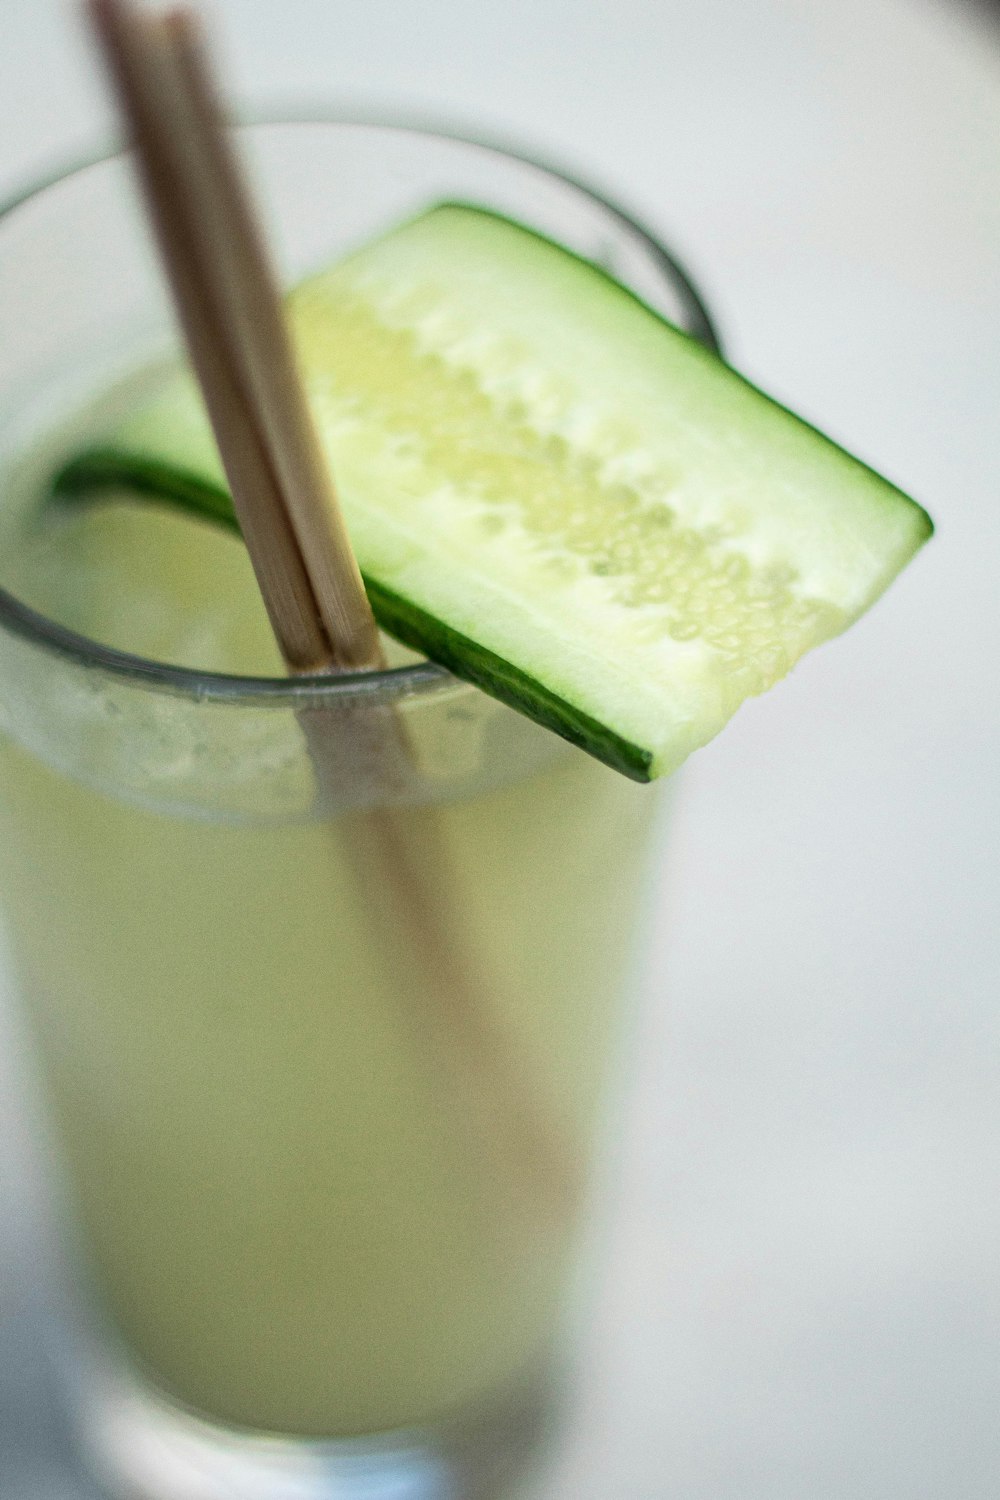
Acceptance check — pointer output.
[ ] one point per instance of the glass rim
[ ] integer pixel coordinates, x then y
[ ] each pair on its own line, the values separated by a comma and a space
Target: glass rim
20, 619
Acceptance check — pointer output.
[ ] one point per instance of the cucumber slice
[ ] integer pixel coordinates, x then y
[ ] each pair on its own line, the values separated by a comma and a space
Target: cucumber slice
552, 491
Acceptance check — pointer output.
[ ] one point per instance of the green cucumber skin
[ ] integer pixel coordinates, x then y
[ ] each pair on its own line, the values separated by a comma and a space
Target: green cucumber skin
111, 468
476, 664
98, 470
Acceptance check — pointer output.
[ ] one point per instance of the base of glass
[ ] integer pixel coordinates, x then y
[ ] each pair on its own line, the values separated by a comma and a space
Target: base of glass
142, 1446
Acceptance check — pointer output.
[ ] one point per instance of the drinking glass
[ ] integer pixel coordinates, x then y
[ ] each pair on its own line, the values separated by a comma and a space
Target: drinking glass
325, 1048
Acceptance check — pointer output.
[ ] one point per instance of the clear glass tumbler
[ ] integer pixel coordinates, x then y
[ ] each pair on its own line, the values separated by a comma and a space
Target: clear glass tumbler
325, 1052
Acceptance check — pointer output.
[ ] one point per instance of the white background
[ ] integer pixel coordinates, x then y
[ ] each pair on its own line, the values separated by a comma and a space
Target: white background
805, 1294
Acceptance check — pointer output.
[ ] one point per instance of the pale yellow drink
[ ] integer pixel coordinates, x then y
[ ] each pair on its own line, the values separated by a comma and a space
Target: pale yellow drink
306, 1210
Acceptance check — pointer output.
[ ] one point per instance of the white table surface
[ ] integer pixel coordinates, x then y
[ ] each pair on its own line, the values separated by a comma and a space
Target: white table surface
805, 1295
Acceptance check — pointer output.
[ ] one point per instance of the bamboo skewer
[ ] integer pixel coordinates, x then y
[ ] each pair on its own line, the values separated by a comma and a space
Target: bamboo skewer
230, 310
229, 306
249, 290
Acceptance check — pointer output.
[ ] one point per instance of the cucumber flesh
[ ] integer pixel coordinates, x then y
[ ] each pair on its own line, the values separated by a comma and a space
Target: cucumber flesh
551, 490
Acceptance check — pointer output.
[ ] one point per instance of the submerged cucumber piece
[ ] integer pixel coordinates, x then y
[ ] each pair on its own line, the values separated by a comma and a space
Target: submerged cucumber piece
551, 490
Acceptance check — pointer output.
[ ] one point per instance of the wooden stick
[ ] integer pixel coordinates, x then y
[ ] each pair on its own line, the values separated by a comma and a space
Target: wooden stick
229, 305
144, 87
248, 289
